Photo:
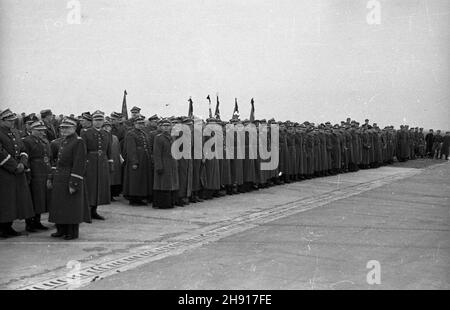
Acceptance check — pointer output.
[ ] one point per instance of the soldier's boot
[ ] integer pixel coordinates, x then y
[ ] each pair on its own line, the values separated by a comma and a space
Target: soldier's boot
60, 232
30, 225
37, 223
72, 232
179, 202
95, 215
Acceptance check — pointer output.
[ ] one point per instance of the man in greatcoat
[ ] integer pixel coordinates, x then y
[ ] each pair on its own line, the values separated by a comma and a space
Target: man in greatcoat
99, 164
138, 170
69, 205
165, 185
39, 154
15, 202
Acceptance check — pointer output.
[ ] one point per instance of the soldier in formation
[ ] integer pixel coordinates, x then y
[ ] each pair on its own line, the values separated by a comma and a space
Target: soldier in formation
71, 166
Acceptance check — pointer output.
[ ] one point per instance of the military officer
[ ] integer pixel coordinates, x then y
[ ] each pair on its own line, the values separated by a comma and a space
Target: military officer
138, 171
69, 203
117, 127
212, 168
85, 122
185, 172
15, 202
99, 164
116, 173
166, 182
47, 118
38, 149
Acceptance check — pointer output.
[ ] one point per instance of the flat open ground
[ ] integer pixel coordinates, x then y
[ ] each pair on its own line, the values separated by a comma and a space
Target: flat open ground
314, 234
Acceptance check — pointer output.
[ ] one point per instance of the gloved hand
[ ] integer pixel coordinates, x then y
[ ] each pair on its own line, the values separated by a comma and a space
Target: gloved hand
72, 190
134, 167
20, 168
49, 184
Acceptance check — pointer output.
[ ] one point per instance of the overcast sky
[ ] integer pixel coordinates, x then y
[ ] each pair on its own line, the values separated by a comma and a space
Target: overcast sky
299, 60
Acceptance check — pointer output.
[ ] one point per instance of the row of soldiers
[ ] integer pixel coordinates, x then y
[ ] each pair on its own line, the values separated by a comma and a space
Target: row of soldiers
71, 170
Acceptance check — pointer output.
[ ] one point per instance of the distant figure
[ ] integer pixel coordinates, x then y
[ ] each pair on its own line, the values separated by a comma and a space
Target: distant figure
429, 143
437, 145
446, 145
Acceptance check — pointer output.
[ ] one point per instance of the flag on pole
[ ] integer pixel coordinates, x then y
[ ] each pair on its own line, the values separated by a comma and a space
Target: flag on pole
217, 112
236, 109
191, 108
124, 105
252, 111
210, 112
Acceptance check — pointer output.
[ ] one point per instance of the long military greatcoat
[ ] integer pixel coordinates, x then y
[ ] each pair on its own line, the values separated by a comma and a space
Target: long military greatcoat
70, 167
98, 178
15, 196
116, 174
166, 167
39, 156
138, 148
212, 170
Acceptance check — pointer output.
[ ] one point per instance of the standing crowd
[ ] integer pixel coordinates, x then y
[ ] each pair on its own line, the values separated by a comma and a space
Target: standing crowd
69, 166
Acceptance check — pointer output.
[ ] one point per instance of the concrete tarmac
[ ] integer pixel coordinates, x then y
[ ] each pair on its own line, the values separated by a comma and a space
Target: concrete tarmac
314, 234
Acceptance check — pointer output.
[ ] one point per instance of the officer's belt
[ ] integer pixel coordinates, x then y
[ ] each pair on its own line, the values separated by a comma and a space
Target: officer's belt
97, 152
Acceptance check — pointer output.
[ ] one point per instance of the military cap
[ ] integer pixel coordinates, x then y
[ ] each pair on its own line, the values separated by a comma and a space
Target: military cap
30, 118
263, 121
46, 112
135, 109
68, 122
213, 120
98, 116
235, 121
116, 115
7, 115
38, 125
177, 120
87, 116
187, 120
271, 121
153, 118
164, 121
140, 119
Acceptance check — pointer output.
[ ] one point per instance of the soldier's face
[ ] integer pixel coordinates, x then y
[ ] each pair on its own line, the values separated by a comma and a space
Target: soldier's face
66, 131
85, 123
134, 114
98, 123
107, 128
38, 133
8, 124
139, 125
166, 128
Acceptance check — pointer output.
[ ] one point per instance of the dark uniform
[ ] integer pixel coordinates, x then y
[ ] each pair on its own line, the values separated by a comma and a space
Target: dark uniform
51, 131
99, 164
138, 181
15, 202
68, 210
39, 155
165, 183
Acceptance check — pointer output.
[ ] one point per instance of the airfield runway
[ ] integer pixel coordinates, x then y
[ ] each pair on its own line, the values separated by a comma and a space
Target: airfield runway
325, 233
